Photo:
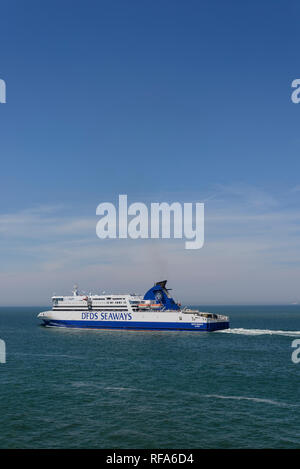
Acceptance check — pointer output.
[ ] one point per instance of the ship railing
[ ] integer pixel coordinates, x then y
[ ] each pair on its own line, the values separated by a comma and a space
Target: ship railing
223, 317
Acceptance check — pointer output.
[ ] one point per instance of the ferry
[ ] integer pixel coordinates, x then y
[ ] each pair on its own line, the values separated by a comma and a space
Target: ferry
156, 310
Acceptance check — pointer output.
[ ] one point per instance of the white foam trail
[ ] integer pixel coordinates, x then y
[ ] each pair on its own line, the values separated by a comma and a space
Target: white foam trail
254, 399
80, 384
114, 388
52, 355
260, 332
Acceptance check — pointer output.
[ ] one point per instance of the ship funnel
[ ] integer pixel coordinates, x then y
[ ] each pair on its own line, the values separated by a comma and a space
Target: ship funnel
161, 294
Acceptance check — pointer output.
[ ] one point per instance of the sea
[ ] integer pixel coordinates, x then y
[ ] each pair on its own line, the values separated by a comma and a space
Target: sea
71, 388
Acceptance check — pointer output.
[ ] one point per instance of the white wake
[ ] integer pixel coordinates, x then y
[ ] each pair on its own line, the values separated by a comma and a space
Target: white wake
254, 399
260, 332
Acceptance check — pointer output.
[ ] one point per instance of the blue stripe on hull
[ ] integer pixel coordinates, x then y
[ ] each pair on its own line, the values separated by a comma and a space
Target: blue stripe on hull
160, 326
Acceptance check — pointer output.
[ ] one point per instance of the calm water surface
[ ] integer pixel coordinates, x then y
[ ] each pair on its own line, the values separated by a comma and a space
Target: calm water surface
63, 388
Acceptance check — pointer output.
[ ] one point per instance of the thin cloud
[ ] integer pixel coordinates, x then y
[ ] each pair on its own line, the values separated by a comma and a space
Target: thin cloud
250, 250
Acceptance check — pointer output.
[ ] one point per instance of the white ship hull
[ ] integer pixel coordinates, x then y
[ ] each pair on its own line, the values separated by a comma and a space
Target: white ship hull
162, 320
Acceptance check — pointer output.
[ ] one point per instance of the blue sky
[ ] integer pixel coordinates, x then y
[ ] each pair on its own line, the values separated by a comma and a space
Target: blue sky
163, 101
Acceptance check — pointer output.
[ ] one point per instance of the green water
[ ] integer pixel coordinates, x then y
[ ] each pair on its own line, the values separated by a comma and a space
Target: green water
63, 388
